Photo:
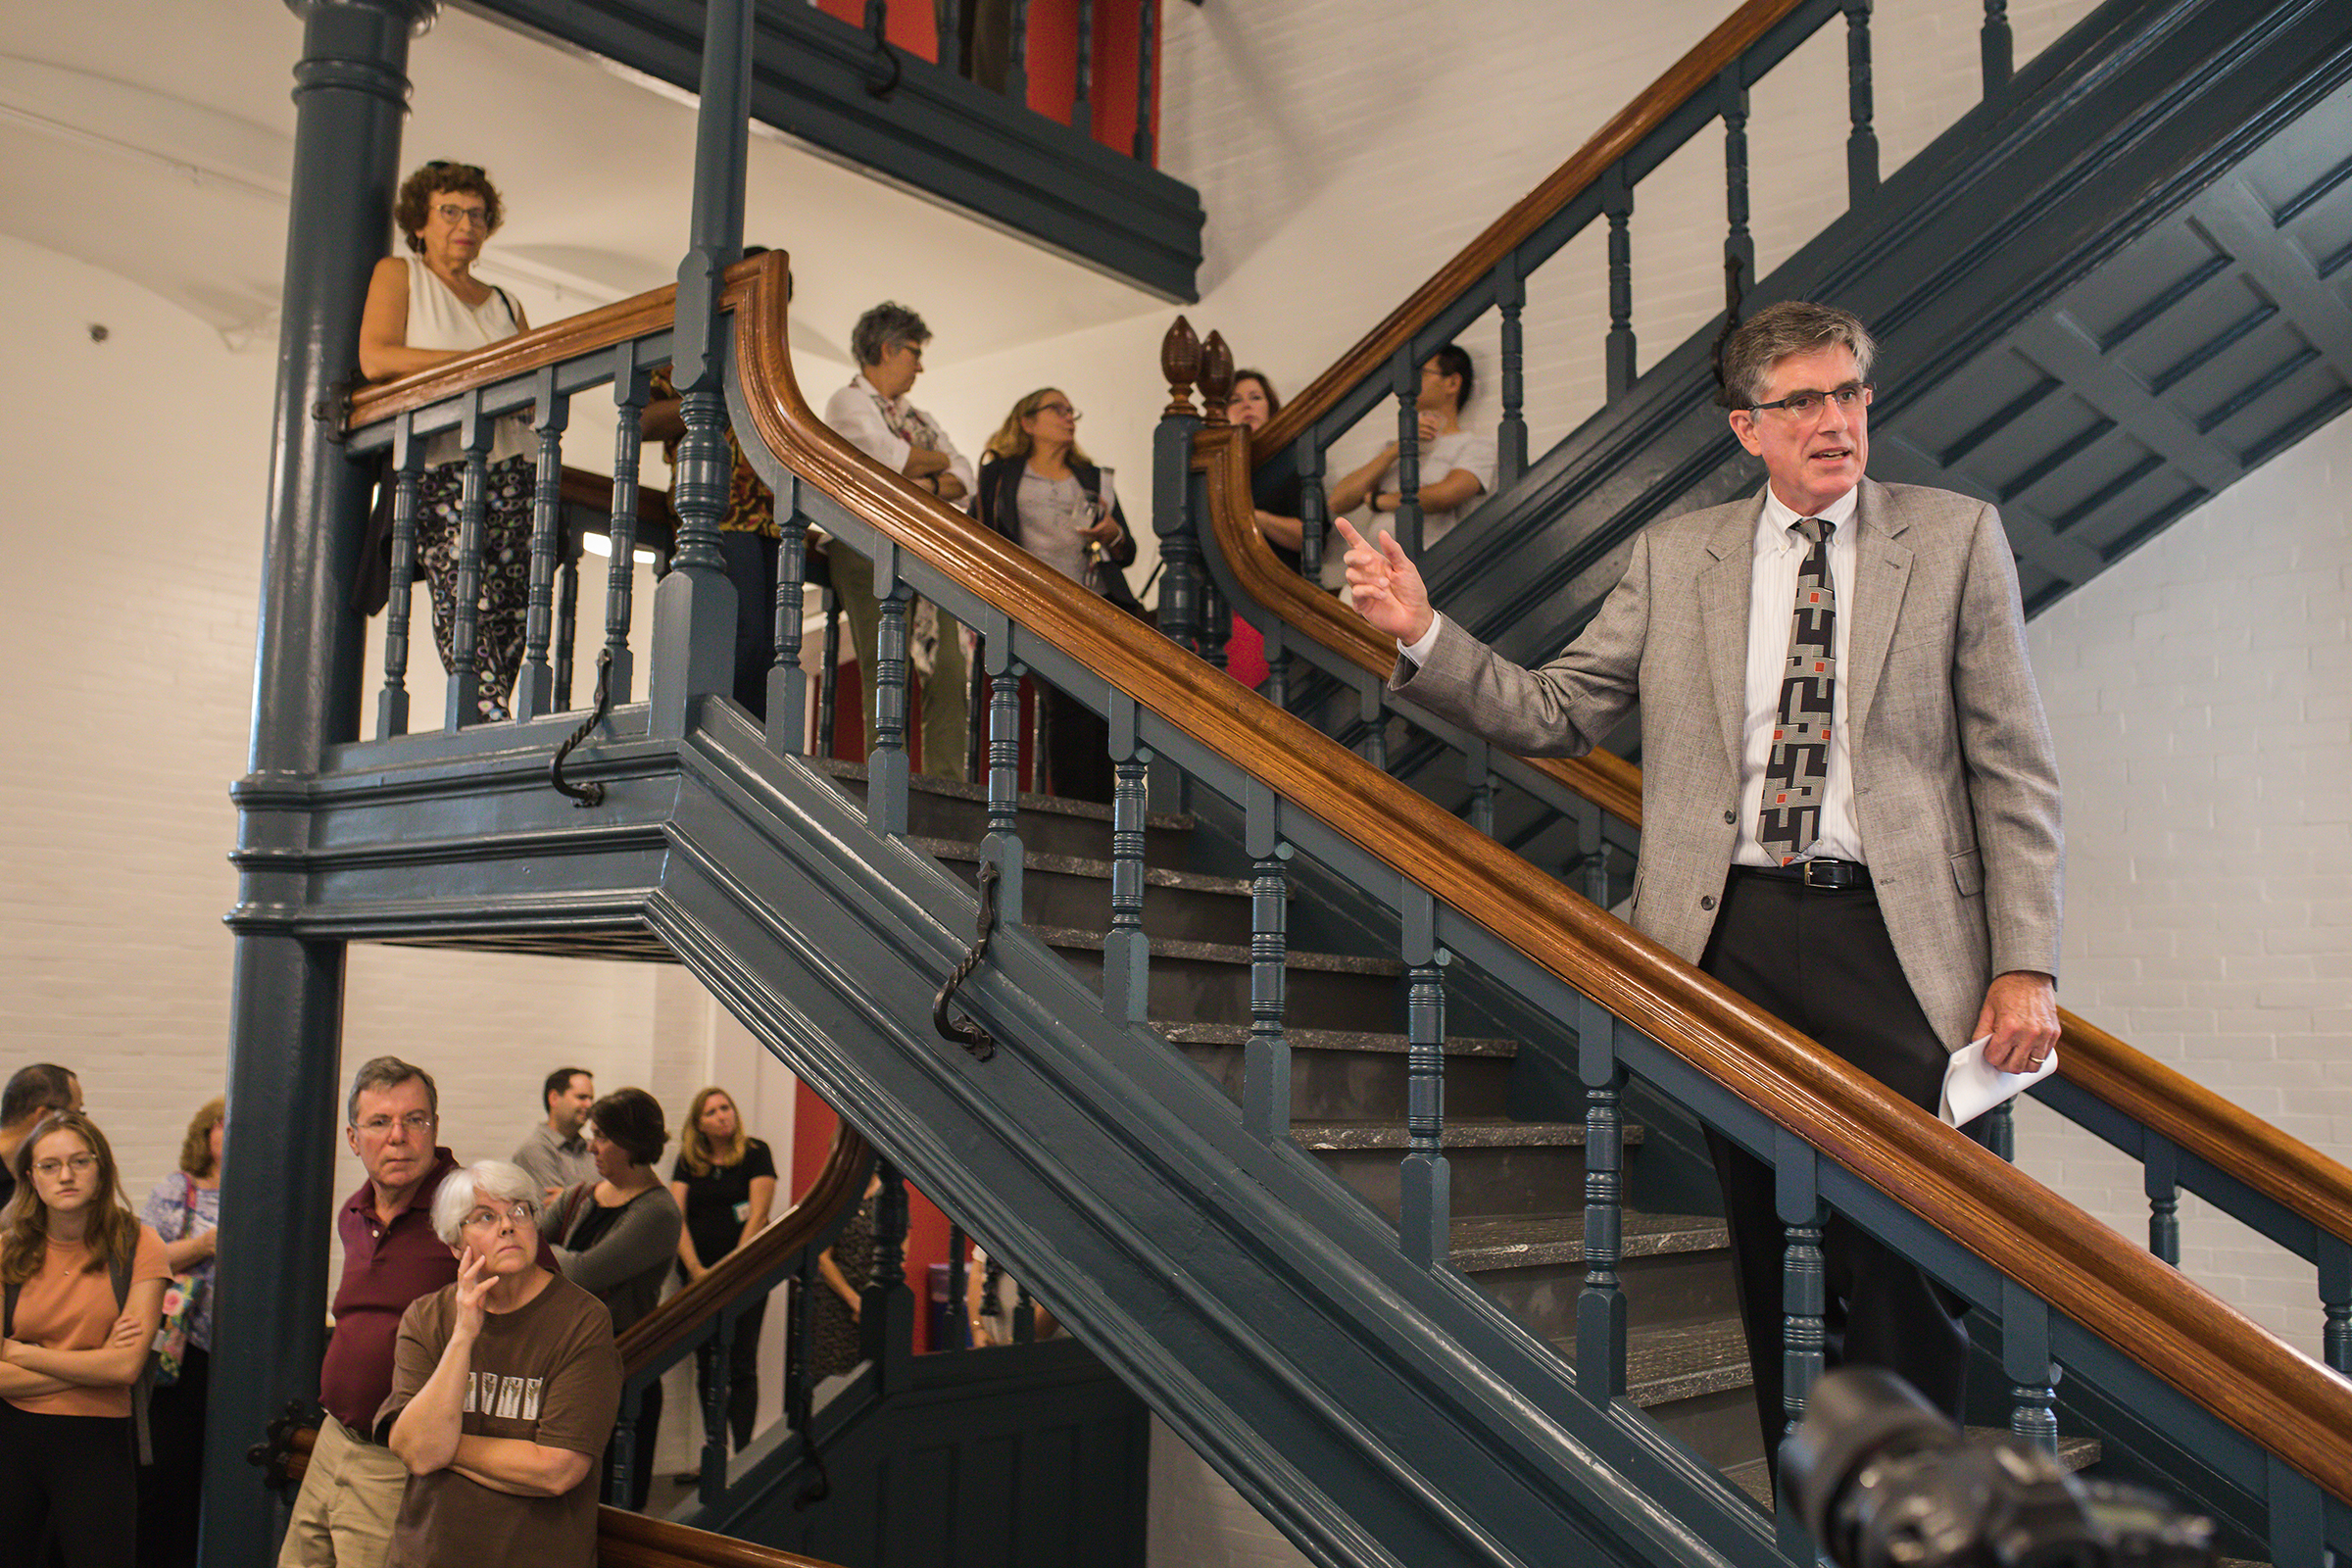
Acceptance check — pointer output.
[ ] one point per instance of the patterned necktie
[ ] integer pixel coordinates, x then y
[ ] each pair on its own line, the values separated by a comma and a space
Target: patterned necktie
1797, 776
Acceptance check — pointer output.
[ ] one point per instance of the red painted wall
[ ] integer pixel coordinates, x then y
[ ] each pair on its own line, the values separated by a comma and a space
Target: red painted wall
1052, 63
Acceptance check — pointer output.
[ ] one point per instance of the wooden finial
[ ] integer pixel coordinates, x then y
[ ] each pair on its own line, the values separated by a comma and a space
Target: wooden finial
1180, 362
1216, 377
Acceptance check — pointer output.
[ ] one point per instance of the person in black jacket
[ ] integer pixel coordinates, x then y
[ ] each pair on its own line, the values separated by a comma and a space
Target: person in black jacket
1038, 489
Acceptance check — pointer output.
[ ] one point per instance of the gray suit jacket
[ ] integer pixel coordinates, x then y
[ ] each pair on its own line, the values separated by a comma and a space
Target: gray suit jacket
1955, 785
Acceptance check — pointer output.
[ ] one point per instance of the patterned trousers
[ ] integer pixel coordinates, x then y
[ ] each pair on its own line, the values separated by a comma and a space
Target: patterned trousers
505, 590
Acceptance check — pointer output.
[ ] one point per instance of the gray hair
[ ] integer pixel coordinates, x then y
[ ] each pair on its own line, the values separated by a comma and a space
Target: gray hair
883, 327
388, 1072
1773, 333
465, 1189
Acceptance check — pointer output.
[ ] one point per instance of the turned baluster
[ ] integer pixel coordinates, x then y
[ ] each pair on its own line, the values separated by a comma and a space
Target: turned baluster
1862, 145
1996, 46
1127, 950
787, 681
1617, 354
1266, 1059
1082, 104
1405, 375
1146, 30
408, 464
1510, 436
1600, 1308
534, 686
1425, 1182
628, 403
885, 765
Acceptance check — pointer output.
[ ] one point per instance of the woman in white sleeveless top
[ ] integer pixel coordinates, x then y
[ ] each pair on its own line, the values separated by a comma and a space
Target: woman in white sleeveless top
424, 310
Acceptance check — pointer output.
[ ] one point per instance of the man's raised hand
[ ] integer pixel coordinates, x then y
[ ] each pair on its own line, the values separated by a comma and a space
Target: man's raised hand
1387, 587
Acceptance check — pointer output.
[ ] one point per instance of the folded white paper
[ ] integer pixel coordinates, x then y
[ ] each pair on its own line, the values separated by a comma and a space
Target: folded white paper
1971, 1088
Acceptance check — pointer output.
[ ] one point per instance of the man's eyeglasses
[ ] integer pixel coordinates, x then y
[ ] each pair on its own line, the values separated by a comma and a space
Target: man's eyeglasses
79, 1164
1798, 406
420, 1122
482, 1219
453, 215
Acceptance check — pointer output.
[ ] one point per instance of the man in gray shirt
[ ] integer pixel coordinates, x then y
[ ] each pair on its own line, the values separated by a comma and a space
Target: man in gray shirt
556, 1154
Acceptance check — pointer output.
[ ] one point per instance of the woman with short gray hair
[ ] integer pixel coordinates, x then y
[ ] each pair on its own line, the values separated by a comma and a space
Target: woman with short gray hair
873, 414
504, 1390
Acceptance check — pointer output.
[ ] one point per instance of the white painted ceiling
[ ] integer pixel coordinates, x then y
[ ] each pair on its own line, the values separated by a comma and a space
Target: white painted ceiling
156, 141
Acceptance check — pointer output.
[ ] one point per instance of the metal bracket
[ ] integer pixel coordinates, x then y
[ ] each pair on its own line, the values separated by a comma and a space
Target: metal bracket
590, 793
963, 1031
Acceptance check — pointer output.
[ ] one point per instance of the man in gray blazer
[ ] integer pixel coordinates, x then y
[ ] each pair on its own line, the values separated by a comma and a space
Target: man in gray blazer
1849, 800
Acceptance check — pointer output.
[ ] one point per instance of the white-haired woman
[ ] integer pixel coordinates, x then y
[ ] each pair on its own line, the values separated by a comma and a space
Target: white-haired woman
503, 1391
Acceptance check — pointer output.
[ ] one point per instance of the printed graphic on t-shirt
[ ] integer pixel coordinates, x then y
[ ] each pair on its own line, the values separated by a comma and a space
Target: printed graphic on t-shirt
502, 1399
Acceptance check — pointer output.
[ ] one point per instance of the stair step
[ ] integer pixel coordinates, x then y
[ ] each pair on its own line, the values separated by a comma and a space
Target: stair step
1495, 1166
1461, 1132
2073, 1454
1210, 981
1073, 892
949, 809
1490, 1242
1238, 1034
1339, 1073
1675, 1269
1685, 1361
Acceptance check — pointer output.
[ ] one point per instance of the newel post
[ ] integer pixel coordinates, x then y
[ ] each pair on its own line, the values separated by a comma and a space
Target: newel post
694, 607
1171, 486
351, 90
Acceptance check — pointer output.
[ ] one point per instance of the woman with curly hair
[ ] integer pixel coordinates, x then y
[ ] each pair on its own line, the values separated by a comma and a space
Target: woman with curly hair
84, 1290
184, 1210
424, 309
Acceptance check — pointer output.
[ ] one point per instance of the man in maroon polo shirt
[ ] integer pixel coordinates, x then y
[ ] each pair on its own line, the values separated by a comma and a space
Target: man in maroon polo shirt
351, 1492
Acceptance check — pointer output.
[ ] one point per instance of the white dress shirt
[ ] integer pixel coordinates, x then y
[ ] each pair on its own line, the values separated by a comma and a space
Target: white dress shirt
1780, 555
857, 412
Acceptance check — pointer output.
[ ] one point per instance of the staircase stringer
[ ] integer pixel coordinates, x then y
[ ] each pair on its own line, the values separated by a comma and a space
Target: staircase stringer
1067, 1148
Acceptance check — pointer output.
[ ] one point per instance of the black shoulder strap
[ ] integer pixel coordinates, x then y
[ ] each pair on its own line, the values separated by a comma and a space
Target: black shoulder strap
513, 315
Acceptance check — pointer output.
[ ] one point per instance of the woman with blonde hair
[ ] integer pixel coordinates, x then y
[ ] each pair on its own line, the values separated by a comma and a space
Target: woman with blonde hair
1038, 489
84, 1290
184, 1210
725, 1181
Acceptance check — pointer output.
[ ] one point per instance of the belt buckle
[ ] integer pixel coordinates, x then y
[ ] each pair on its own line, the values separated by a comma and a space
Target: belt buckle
1809, 878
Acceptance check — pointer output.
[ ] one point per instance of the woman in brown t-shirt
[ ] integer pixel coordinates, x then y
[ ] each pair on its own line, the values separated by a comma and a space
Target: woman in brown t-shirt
73, 1348
504, 1389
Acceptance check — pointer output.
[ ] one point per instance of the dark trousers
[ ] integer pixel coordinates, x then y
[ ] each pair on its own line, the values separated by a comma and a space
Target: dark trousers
751, 569
171, 1489
69, 1479
1822, 962
743, 1373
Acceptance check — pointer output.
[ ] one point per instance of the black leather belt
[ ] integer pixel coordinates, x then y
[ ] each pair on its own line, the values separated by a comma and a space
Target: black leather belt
1838, 876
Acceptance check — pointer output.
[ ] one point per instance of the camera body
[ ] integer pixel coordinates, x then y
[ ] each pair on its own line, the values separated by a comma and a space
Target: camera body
1884, 1480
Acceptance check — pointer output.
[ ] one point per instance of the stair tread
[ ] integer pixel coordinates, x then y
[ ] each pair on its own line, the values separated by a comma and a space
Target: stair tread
1059, 936
1238, 1034
1082, 865
1462, 1132
1521, 1241
1679, 1361
2073, 1454
956, 789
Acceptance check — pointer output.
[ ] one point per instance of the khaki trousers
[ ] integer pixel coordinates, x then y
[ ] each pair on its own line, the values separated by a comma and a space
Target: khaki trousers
947, 689
350, 1496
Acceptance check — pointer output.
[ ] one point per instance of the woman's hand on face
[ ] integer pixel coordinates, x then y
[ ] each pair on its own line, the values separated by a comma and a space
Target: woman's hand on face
474, 1281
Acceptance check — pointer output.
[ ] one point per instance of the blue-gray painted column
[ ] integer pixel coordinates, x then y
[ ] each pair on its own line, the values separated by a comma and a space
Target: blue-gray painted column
286, 996
694, 607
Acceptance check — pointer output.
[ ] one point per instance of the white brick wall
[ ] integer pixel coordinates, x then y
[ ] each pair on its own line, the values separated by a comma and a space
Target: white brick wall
2199, 695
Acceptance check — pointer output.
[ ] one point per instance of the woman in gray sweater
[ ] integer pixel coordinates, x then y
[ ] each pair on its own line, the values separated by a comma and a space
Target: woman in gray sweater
614, 1236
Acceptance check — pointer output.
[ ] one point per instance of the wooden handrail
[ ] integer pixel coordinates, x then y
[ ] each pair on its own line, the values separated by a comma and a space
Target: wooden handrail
1688, 75
2281, 1398
574, 335
625, 1540
842, 1181
2284, 1400
2224, 1135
